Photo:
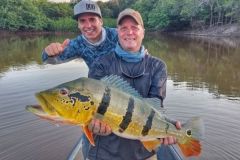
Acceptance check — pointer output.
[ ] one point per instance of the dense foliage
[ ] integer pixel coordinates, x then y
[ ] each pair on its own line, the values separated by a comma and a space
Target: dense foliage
25, 15
181, 14
41, 15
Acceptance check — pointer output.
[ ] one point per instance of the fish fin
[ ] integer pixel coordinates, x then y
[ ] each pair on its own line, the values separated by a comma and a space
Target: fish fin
156, 104
117, 82
151, 145
190, 145
88, 134
191, 148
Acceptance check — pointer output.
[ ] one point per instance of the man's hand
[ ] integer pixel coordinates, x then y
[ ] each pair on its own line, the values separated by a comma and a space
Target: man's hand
55, 49
100, 128
171, 140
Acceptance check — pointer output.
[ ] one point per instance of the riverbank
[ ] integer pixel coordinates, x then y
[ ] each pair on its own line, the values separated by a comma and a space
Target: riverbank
227, 35
231, 30
5, 33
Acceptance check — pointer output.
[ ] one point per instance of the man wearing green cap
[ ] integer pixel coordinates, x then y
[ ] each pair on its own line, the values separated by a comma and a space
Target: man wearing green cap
94, 41
146, 74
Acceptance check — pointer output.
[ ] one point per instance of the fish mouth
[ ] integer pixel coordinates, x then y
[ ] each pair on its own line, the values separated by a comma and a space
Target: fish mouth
43, 109
43, 103
35, 109
38, 111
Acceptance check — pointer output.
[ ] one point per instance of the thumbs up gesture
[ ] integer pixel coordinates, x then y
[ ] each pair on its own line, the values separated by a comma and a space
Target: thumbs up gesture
55, 49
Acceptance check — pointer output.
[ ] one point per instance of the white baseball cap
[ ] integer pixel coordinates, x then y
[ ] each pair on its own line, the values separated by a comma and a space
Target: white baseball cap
86, 6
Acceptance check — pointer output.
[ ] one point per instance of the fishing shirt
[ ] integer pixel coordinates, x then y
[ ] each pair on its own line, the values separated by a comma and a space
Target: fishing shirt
149, 78
81, 48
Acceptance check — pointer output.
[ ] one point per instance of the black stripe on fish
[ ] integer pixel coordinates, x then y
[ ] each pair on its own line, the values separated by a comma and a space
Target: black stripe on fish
167, 127
148, 124
79, 97
102, 108
128, 116
167, 124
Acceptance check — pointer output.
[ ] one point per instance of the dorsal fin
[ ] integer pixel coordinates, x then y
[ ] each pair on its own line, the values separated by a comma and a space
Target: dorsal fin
117, 82
155, 103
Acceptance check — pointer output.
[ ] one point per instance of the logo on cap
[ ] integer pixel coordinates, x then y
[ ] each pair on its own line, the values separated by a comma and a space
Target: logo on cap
90, 7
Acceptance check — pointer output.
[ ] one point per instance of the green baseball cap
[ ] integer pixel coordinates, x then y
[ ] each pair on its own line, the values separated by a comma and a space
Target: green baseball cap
131, 13
86, 6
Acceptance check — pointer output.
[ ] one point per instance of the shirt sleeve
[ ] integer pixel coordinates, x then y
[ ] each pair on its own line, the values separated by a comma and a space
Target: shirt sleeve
159, 81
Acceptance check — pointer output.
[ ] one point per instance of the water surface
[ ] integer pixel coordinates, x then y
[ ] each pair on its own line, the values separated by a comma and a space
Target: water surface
204, 80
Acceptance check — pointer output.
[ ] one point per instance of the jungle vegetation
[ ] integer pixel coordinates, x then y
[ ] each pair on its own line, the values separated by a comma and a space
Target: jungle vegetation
170, 15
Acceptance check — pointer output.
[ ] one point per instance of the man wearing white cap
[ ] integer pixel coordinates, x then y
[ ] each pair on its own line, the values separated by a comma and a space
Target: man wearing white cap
94, 41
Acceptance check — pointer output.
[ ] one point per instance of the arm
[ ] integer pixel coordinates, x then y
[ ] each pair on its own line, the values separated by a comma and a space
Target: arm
158, 80
56, 53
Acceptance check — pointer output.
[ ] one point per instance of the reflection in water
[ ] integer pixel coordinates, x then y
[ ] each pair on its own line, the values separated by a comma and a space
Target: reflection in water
24, 136
18, 51
202, 63
221, 118
200, 74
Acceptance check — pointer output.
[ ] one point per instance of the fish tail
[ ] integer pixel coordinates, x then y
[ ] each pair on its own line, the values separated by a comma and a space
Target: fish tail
190, 143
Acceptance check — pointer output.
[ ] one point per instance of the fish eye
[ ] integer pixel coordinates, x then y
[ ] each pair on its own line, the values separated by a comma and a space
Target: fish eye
63, 91
189, 133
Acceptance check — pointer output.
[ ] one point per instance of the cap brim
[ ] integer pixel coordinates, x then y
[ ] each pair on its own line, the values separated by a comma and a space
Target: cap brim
76, 16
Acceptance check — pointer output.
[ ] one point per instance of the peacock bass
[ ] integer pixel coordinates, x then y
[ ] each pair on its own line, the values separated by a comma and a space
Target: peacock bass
115, 102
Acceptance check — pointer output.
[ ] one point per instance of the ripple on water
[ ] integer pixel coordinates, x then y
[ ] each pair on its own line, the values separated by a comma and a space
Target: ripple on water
24, 136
